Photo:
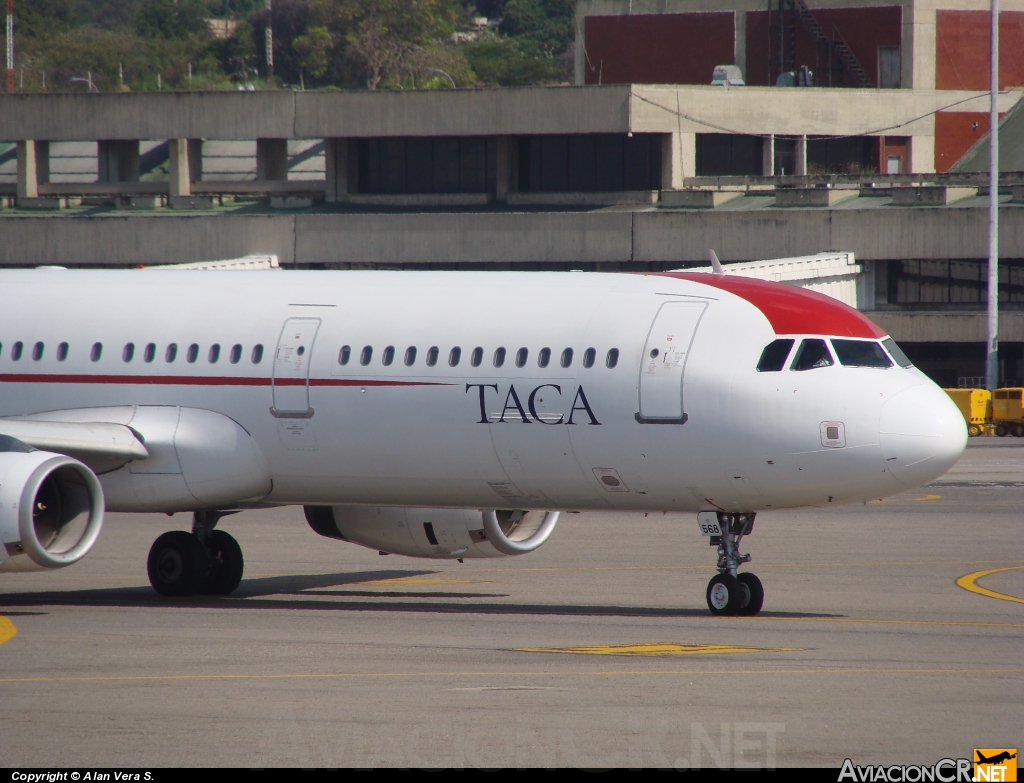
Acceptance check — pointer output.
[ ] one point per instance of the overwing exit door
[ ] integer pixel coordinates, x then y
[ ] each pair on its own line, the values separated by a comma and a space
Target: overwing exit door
291, 368
664, 360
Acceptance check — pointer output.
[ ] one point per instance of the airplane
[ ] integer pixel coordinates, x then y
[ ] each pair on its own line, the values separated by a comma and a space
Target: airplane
996, 759
444, 415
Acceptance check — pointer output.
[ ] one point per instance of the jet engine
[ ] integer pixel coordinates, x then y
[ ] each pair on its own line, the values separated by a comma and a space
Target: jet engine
51, 508
435, 533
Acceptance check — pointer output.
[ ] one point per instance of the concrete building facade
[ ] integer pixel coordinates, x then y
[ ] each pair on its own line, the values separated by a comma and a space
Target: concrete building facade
911, 45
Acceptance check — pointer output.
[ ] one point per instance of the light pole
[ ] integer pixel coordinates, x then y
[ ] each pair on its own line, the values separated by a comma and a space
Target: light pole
438, 70
10, 46
92, 87
992, 346
269, 40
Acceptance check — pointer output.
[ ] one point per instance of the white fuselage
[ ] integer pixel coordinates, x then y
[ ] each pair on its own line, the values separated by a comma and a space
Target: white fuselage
399, 434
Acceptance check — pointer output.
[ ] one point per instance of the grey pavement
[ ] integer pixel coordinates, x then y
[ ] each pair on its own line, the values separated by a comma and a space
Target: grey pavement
331, 655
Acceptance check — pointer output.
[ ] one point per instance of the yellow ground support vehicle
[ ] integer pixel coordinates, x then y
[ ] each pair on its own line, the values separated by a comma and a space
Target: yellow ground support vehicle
976, 407
1008, 412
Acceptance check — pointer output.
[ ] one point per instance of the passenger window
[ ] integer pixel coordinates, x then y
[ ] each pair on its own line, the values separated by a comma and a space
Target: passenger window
521, 356
499, 357
171, 353
16, 350
453, 356
149, 354
410, 356
344, 355
812, 354
365, 355
612, 358
589, 356
213, 355
37, 352
860, 353
544, 357
388, 356
192, 354
1, 348
257, 354
477, 356
62, 352
896, 353
236, 354
95, 353
432, 356
567, 357
128, 353
773, 357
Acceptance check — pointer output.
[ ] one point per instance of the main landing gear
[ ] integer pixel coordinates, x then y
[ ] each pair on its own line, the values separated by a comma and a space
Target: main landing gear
205, 561
729, 592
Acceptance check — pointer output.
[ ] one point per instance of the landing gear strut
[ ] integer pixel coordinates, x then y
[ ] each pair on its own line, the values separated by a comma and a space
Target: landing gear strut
729, 592
205, 561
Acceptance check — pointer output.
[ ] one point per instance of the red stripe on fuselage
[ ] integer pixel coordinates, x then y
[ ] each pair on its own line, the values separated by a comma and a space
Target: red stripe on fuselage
791, 310
198, 380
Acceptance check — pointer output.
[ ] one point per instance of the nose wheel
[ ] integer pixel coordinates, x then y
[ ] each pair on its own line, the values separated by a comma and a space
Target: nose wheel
730, 593
205, 561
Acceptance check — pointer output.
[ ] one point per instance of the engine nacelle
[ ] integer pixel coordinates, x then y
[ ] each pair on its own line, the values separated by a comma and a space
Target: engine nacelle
433, 532
51, 508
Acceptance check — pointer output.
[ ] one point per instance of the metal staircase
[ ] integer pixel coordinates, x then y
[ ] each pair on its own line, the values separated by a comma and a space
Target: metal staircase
836, 43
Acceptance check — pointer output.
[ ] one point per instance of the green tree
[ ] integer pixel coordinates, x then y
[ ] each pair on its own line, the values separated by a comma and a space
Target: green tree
313, 47
540, 26
172, 19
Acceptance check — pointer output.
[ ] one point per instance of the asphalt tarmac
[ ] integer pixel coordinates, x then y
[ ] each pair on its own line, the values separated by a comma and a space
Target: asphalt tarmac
331, 655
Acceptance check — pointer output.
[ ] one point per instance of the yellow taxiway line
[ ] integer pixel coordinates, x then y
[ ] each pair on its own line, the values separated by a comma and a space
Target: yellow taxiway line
657, 649
492, 674
969, 582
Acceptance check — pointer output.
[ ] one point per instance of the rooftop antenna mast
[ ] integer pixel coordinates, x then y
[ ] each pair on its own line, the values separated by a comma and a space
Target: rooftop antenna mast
10, 46
992, 347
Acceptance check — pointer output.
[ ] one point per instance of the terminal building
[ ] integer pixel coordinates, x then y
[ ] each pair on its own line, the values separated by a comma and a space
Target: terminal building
643, 165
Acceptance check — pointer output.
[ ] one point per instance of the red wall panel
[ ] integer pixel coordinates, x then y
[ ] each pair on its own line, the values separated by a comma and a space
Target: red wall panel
657, 48
962, 45
955, 133
863, 29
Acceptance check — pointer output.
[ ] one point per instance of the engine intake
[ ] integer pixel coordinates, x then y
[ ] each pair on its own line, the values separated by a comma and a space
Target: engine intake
51, 508
435, 533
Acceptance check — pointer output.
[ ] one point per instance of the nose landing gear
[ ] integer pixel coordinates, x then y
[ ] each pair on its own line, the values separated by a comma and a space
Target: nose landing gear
205, 561
730, 593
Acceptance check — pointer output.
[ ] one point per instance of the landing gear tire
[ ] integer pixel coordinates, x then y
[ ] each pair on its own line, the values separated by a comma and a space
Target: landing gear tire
226, 570
176, 564
724, 594
752, 594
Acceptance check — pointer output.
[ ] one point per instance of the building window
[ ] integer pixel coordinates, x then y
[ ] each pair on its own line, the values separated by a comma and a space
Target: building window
954, 282
595, 162
440, 164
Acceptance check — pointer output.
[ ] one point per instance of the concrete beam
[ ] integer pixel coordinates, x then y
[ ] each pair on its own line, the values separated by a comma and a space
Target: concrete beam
678, 159
948, 327
33, 158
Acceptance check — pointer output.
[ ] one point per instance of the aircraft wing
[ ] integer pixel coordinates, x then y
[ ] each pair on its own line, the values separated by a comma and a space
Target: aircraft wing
103, 446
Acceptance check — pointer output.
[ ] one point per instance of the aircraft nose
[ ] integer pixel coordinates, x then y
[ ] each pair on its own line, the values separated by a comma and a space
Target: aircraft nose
922, 434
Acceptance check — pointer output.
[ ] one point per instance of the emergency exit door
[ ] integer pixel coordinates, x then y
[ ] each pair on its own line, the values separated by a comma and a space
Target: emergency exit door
664, 361
291, 368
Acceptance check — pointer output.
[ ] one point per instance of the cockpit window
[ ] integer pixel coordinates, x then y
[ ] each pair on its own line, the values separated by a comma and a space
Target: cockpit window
773, 357
860, 353
896, 352
813, 353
